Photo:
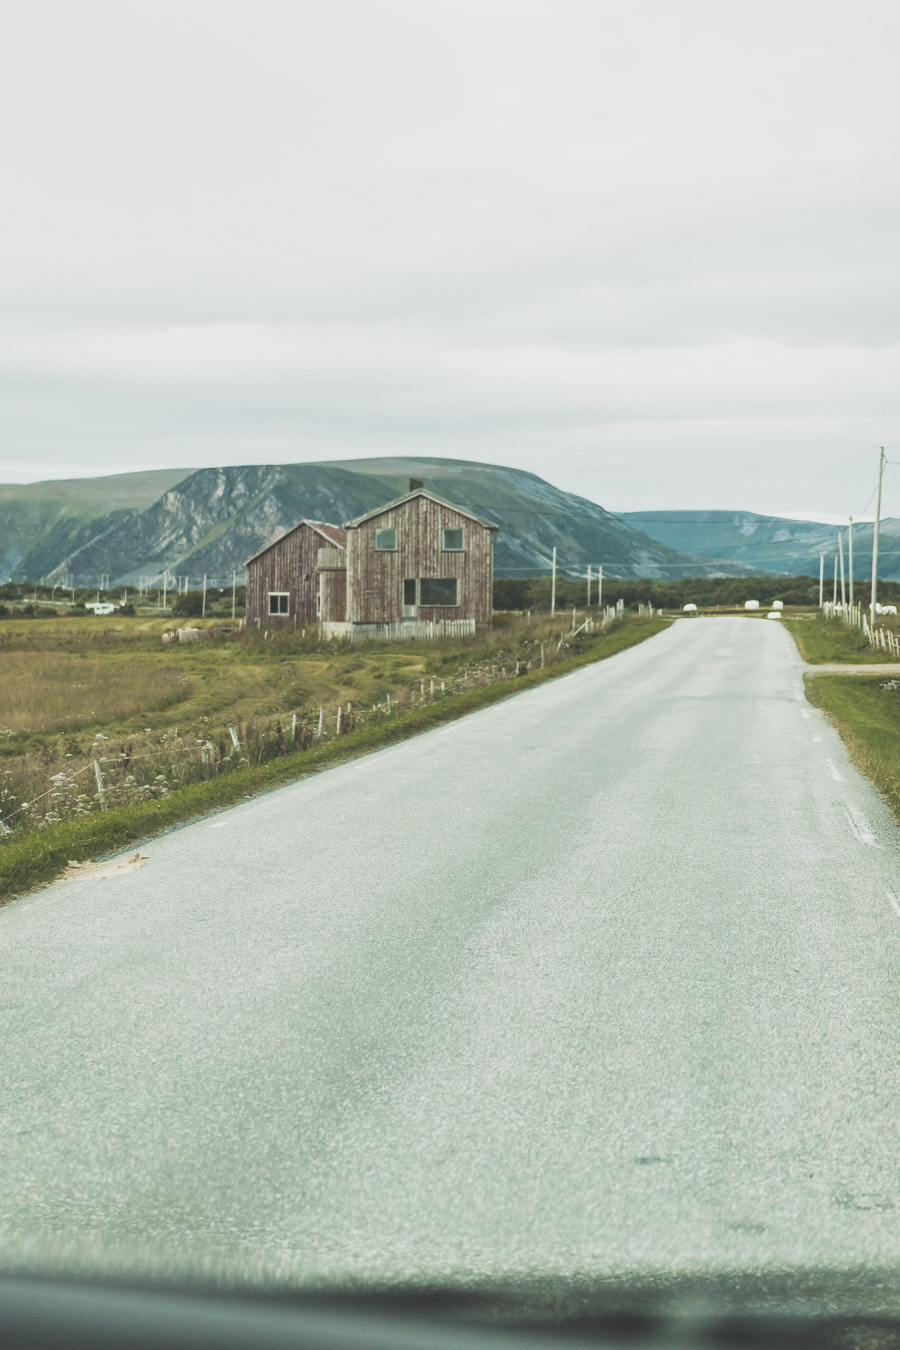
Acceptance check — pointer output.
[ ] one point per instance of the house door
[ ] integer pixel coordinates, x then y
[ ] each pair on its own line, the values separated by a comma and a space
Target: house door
409, 598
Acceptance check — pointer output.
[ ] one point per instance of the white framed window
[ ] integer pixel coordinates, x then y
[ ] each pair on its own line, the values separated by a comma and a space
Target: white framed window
454, 541
279, 602
385, 541
438, 591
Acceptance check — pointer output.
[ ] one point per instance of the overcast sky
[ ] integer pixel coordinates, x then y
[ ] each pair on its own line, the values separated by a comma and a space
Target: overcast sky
647, 249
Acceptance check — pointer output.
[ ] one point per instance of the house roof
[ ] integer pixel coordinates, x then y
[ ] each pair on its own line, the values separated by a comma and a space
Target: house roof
333, 533
408, 497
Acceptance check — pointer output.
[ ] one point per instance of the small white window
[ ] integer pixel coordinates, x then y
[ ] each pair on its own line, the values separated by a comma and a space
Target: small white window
385, 541
279, 602
453, 541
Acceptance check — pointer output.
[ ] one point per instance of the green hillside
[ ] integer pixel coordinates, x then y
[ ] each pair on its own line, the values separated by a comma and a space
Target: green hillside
29, 511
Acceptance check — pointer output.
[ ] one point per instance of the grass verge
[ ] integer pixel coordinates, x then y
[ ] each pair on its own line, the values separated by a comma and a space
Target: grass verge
41, 856
868, 720
825, 640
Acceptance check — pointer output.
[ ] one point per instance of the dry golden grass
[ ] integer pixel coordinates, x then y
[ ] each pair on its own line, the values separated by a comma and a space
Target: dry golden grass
47, 691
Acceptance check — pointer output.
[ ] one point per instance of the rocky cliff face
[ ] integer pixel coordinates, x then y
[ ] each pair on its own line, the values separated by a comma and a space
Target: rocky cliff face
214, 519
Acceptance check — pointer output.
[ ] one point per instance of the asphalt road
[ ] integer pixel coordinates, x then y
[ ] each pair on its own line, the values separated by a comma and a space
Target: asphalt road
603, 978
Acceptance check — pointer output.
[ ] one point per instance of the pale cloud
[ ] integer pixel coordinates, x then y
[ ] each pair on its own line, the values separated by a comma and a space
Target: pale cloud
643, 249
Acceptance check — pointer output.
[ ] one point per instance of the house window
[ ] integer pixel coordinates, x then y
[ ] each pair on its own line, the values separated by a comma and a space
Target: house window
385, 541
409, 591
279, 602
453, 541
438, 591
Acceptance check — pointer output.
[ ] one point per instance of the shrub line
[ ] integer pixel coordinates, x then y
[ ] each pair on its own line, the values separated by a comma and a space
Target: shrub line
42, 856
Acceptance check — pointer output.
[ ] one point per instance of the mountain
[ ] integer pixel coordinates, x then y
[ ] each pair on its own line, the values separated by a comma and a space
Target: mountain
29, 512
214, 519
772, 544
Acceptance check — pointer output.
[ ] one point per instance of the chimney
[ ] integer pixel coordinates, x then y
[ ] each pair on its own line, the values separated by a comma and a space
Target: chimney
416, 483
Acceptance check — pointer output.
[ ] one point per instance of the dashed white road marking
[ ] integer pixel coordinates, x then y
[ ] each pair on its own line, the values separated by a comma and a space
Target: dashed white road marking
893, 902
833, 770
860, 826
219, 825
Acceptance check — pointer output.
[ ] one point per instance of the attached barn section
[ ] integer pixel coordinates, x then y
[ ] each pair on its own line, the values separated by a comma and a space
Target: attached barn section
283, 578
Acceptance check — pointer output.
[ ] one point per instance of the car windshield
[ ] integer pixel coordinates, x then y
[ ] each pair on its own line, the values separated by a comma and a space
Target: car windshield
449, 652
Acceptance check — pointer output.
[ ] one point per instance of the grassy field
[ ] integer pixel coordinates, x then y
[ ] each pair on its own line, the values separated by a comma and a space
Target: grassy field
825, 640
868, 719
179, 729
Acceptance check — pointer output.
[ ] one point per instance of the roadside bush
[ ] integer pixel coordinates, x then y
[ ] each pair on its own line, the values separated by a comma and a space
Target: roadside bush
190, 604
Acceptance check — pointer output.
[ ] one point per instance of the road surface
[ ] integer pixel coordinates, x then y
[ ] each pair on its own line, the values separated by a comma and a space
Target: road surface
603, 978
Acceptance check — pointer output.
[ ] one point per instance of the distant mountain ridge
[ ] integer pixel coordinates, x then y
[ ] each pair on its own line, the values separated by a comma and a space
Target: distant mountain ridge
773, 544
211, 520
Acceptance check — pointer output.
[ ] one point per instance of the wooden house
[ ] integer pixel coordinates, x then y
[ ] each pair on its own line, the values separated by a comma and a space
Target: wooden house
298, 578
418, 560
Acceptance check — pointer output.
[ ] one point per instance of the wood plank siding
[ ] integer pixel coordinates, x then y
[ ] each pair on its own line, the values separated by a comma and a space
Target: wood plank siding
381, 582
288, 569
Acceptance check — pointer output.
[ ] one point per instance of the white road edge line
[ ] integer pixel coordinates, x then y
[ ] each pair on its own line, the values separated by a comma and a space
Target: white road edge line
893, 902
804, 712
832, 769
860, 826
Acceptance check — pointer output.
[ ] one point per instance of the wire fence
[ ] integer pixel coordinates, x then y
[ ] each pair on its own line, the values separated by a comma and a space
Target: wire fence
139, 768
881, 636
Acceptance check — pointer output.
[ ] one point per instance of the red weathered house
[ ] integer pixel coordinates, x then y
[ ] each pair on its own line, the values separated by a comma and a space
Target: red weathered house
288, 580
417, 566
419, 558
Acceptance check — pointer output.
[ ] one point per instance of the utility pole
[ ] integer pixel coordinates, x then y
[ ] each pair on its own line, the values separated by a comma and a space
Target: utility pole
850, 559
841, 551
821, 580
204, 595
834, 598
599, 585
165, 585
553, 585
589, 587
233, 588
875, 540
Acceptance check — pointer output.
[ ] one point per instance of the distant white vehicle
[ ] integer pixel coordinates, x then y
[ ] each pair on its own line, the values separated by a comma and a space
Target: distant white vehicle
774, 614
751, 604
101, 608
689, 609
778, 604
